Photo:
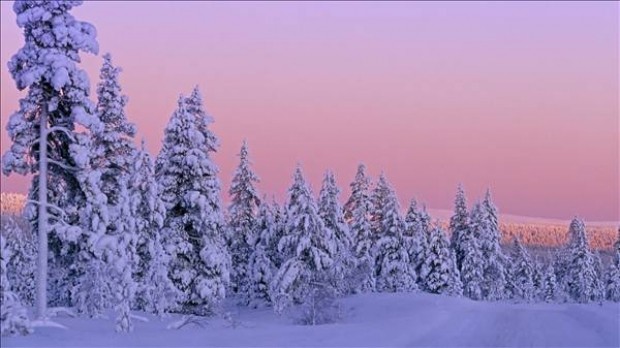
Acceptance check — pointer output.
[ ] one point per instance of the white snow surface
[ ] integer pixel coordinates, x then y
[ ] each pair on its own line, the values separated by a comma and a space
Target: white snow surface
368, 320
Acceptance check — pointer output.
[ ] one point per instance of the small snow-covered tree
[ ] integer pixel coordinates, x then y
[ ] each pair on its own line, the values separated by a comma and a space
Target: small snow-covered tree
331, 212
417, 232
393, 268
95, 293
22, 263
242, 224
357, 212
550, 291
45, 142
581, 276
155, 292
307, 241
459, 225
439, 266
190, 190
261, 268
13, 317
612, 278
537, 278
522, 273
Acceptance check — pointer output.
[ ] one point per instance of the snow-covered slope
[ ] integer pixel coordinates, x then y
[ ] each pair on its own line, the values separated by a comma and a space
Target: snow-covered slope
369, 320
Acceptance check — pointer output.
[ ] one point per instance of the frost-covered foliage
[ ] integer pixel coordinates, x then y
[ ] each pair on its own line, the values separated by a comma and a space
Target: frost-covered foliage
331, 212
13, 318
94, 294
612, 277
190, 190
459, 226
21, 264
155, 292
438, 269
417, 232
261, 267
242, 224
393, 268
483, 223
357, 212
56, 103
308, 245
522, 273
581, 278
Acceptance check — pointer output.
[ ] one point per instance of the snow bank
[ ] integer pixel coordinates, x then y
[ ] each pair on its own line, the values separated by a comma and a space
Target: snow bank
369, 320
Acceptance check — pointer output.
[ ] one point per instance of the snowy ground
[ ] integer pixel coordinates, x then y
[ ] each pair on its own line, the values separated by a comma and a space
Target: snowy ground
369, 320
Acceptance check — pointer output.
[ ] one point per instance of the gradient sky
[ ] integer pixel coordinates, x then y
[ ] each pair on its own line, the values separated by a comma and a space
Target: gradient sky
521, 97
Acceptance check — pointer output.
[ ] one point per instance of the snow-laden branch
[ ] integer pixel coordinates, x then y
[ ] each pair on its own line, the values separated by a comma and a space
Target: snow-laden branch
62, 165
61, 129
49, 205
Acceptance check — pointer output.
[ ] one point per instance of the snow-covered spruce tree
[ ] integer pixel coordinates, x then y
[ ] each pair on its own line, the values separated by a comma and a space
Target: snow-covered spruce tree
612, 277
13, 317
278, 230
581, 276
304, 278
380, 194
155, 292
261, 268
190, 190
114, 152
439, 266
537, 278
483, 222
393, 268
242, 224
599, 282
417, 232
472, 267
22, 263
459, 225
550, 291
357, 213
522, 273
45, 142
360, 193
331, 212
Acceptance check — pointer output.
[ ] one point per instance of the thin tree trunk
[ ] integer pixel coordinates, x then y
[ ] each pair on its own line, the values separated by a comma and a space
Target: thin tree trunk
41, 300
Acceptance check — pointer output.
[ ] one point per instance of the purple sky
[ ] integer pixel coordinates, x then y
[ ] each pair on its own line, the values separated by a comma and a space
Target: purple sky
521, 97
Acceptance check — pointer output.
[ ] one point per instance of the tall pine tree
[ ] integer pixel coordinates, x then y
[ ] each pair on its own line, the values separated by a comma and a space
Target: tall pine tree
45, 140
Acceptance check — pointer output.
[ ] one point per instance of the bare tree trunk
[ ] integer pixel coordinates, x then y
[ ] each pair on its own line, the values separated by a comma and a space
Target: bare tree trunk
41, 295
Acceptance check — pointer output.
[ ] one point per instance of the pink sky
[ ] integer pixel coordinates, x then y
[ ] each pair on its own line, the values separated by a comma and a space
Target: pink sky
521, 97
